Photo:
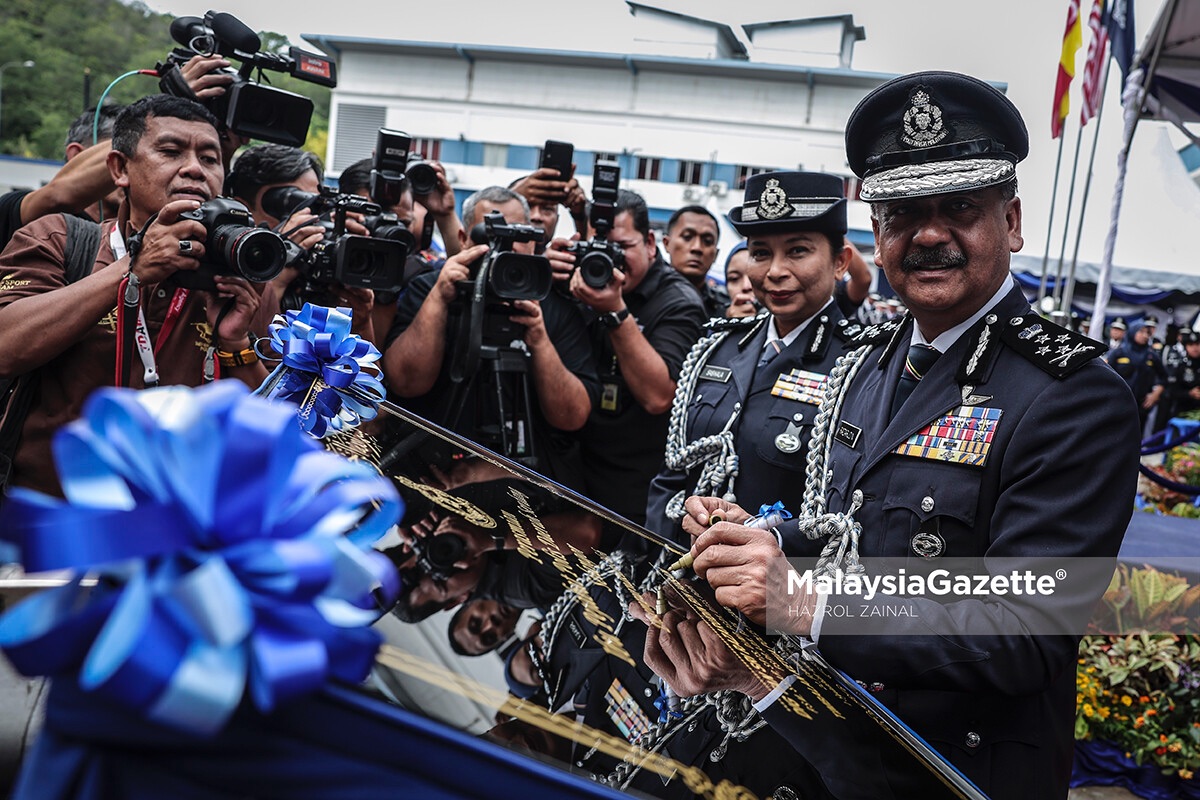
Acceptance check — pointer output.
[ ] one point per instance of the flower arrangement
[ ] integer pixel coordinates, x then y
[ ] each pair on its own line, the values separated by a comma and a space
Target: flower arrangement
1181, 465
1138, 684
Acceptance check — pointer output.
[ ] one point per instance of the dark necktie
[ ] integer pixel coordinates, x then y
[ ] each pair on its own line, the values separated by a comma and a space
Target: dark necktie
769, 352
918, 361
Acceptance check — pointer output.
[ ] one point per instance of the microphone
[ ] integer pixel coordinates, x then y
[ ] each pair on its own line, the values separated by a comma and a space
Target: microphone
228, 28
185, 29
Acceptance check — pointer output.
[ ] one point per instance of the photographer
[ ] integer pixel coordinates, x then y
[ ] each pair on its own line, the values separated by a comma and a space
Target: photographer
641, 325
413, 211
166, 158
268, 166
554, 347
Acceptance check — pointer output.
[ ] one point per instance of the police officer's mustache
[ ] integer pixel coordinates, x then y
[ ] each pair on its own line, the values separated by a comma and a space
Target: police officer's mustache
937, 257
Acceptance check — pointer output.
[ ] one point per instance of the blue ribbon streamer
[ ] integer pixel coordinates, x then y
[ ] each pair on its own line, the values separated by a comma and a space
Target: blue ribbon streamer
316, 343
228, 548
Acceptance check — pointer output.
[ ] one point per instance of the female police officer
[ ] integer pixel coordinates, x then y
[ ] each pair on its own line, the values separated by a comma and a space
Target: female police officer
749, 391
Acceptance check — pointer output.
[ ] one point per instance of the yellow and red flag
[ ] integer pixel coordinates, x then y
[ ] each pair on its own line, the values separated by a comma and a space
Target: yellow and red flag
1072, 41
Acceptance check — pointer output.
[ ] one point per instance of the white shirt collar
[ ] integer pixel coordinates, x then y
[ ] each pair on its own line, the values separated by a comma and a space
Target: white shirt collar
794, 333
946, 339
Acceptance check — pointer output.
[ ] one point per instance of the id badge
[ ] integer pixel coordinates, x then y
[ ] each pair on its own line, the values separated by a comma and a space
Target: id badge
608, 397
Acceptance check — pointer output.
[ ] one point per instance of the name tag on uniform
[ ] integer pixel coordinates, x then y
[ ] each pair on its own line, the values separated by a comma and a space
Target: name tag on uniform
625, 713
964, 436
799, 384
847, 434
719, 374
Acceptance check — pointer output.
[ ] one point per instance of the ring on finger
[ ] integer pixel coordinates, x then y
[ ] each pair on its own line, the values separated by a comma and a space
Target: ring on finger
185, 246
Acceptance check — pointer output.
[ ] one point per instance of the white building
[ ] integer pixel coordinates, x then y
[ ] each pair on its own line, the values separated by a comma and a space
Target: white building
689, 111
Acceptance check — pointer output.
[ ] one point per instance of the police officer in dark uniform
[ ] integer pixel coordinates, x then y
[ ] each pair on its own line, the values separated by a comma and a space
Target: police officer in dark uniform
972, 427
749, 391
1183, 377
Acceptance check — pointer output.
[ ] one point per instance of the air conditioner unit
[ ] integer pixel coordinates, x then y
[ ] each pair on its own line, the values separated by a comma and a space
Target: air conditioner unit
694, 194
718, 188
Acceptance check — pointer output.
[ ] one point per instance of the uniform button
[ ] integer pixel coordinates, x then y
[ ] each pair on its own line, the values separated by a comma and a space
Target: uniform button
973, 739
161, 293
990, 319
649, 691
797, 418
927, 504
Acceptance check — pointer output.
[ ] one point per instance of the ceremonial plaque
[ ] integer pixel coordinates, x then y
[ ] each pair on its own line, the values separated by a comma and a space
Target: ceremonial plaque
493, 555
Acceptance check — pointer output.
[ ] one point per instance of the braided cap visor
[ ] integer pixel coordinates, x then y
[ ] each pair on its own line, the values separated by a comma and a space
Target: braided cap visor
936, 177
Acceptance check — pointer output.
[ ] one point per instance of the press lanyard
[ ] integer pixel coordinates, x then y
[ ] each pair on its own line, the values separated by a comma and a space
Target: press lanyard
141, 334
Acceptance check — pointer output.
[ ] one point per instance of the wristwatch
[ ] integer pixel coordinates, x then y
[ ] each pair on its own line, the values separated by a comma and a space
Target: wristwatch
613, 319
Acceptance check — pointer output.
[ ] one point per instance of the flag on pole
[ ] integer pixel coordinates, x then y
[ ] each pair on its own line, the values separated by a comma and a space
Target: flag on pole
1093, 68
1118, 21
1072, 41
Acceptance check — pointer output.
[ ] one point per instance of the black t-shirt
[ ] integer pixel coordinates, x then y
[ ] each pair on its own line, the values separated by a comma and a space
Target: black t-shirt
622, 444
10, 214
479, 402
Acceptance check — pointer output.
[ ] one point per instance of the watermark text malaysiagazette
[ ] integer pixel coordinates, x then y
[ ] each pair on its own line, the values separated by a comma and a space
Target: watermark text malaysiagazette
937, 583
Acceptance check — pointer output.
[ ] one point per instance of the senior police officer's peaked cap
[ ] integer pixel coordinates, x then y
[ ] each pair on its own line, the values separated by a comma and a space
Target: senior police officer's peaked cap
931, 133
791, 201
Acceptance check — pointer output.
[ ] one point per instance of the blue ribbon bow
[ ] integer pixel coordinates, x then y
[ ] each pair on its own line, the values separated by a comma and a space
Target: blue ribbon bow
315, 343
229, 550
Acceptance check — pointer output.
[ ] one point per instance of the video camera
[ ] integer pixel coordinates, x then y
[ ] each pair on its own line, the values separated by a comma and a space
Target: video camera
370, 262
595, 259
247, 107
394, 163
232, 246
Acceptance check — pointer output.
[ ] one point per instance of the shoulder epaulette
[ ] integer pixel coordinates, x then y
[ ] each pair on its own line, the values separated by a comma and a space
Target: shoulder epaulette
1051, 347
855, 334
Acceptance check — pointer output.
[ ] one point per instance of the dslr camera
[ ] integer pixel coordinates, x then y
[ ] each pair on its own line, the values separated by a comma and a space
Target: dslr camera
395, 163
596, 258
481, 311
247, 107
232, 246
373, 262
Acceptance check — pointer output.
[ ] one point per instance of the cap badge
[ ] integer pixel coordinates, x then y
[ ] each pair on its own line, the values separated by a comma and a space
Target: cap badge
922, 122
773, 202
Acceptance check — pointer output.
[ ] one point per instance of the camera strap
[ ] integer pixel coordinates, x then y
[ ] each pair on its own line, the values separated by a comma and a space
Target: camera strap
132, 331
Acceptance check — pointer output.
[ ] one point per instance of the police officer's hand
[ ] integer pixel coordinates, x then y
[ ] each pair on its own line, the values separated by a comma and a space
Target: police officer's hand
698, 512
529, 314
603, 300
562, 263
744, 566
160, 254
454, 270
690, 656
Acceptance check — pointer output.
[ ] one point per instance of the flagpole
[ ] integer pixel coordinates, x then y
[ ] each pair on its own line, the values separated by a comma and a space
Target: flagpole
1050, 224
1062, 253
1069, 293
1133, 97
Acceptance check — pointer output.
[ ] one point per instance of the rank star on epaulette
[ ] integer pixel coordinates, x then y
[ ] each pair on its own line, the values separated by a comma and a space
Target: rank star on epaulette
847, 329
1053, 348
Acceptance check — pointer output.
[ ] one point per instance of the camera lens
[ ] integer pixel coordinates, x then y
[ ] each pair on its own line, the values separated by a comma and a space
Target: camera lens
596, 269
423, 177
444, 550
514, 276
254, 253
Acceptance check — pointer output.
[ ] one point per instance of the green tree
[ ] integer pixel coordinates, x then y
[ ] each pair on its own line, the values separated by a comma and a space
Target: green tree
106, 39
